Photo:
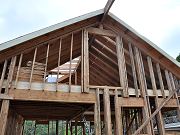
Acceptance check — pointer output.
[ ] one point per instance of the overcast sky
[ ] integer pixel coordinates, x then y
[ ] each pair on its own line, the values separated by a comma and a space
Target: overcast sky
157, 20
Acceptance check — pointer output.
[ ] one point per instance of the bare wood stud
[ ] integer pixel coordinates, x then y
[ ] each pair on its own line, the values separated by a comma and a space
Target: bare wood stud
70, 72
133, 69
118, 119
107, 112
59, 61
122, 66
32, 68
10, 74
160, 79
18, 70
86, 62
3, 74
3, 116
46, 64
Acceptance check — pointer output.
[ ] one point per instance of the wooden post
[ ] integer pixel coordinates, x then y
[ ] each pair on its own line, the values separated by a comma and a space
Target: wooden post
32, 68
3, 74
59, 61
122, 66
86, 62
10, 74
160, 80
19, 66
133, 69
70, 73
168, 81
107, 112
159, 114
97, 115
3, 116
143, 88
118, 118
46, 65
82, 62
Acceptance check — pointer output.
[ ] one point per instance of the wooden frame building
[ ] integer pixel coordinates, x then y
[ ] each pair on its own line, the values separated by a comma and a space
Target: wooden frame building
94, 72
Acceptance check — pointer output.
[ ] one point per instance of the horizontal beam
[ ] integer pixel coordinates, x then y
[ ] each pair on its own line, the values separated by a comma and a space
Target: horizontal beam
32, 95
139, 102
101, 32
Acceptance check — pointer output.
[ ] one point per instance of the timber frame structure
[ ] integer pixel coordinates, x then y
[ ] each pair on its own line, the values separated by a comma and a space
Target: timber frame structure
106, 74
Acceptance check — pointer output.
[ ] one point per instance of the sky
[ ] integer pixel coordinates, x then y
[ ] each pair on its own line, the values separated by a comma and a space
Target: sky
157, 20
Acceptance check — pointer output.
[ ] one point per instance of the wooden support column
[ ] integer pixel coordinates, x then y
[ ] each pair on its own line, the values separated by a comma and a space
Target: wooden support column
118, 118
3, 116
97, 115
160, 80
143, 88
3, 74
46, 64
85, 62
107, 112
159, 114
122, 66
82, 61
70, 65
18, 70
59, 61
133, 69
10, 74
32, 68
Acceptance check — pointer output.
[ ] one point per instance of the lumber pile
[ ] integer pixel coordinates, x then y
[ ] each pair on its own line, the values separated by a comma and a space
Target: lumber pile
25, 72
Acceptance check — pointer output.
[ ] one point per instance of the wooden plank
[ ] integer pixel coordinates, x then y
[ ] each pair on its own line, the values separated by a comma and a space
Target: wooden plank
160, 121
3, 74
168, 80
32, 68
52, 96
106, 9
122, 66
3, 116
170, 104
133, 69
97, 115
131, 102
160, 79
102, 32
118, 115
86, 62
71, 51
59, 61
18, 70
46, 63
82, 61
10, 74
107, 112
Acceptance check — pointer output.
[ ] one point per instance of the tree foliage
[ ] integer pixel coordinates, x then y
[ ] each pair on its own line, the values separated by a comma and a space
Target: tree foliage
178, 58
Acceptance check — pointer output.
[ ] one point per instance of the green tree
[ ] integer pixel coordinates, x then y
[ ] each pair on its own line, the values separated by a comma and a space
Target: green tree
178, 58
